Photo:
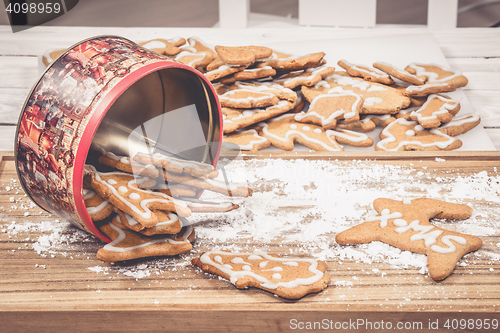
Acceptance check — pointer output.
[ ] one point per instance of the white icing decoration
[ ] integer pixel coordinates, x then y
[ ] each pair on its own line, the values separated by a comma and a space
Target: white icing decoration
302, 135
348, 135
98, 208
134, 196
410, 133
291, 263
385, 215
87, 194
218, 259
239, 260
318, 130
370, 71
369, 101
447, 241
122, 235
449, 104
265, 283
254, 257
432, 77
246, 268
123, 189
306, 128
406, 201
425, 233
400, 223
112, 182
155, 44
263, 264
391, 138
462, 120
293, 126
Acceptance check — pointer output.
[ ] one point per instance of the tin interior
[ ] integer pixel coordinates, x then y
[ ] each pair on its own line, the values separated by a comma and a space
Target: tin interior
171, 111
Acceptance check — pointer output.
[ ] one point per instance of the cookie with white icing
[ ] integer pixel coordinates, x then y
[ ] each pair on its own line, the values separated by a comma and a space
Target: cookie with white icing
289, 62
284, 131
368, 73
124, 163
351, 138
307, 77
248, 140
247, 99
121, 190
290, 278
127, 244
404, 135
249, 74
242, 55
267, 87
461, 124
438, 74
326, 109
214, 185
234, 119
405, 225
168, 47
177, 165
97, 207
428, 89
367, 123
377, 98
168, 223
435, 111
400, 74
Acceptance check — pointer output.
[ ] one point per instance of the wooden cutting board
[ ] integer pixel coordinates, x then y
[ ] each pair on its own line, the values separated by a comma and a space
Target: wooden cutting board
51, 291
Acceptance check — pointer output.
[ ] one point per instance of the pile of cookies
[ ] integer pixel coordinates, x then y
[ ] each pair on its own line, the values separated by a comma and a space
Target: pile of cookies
273, 98
142, 205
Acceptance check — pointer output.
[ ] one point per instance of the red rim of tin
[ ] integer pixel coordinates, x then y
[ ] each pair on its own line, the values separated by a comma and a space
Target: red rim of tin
97, 116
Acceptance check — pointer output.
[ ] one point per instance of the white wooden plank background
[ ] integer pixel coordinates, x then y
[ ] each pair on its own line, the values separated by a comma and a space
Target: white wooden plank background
474, 51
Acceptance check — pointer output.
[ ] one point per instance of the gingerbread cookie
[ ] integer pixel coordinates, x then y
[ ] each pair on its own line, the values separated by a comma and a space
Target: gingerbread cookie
127, 244
235, 119
377, 98
49, 56
267, 87
400, 74
405, 225
124, 163
222, 71
460, 125
427, 89
169, 223
307, 77
368, 73
247, 98
176, 190
336, 104
249, 74
172, 164
438, 74
288, 62
403, 135
367, 123
290, 278
247, 140
201, 206
97, 207
169, 47
351, 138
121, 190
196, 54
242, 55
214, 185
284, 131
437, 110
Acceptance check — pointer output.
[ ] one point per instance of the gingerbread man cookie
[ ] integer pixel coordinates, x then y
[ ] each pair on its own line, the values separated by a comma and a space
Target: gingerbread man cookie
336, 104
247, 140
290, 278
288, 62
284, 131
307, 77
404, 135
405, 225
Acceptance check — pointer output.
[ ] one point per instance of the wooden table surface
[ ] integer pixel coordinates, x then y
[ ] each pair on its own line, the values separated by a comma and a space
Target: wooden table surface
50, 292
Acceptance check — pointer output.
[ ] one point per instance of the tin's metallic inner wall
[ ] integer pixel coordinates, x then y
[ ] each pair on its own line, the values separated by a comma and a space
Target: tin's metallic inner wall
171, 111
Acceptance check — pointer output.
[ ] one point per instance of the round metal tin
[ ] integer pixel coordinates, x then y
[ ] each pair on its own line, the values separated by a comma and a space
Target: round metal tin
97, 96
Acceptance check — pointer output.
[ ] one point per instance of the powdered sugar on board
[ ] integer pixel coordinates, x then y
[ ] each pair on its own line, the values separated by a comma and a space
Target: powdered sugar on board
297, 208
302, 204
